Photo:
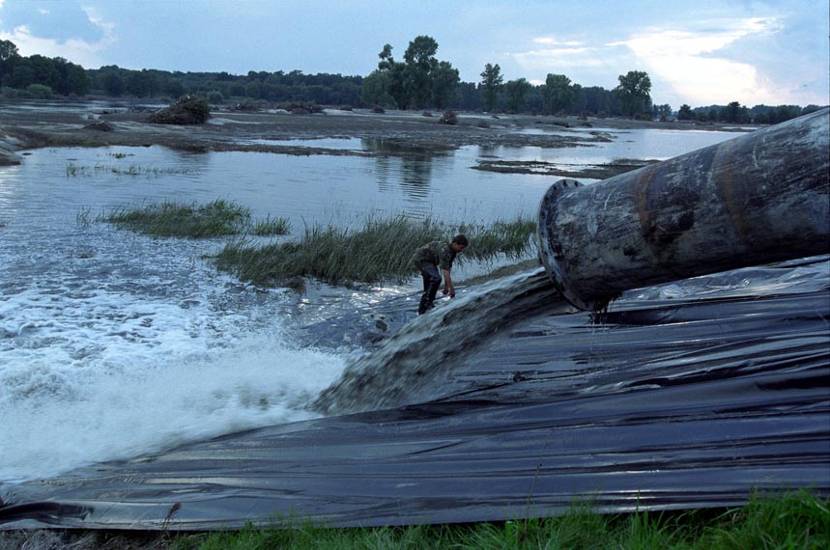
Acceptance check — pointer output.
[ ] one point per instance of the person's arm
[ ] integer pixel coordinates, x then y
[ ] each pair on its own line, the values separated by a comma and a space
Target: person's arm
448, 286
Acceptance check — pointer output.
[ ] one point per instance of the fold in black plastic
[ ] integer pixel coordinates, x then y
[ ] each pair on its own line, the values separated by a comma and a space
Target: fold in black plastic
684, 396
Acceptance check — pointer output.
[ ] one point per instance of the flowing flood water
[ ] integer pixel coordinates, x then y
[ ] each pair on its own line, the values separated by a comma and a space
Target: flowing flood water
114, 344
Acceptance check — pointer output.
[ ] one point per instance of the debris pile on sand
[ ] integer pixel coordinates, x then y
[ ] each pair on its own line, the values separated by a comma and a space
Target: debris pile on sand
248, 106
301, 107
449, 117
186, 110
100, 126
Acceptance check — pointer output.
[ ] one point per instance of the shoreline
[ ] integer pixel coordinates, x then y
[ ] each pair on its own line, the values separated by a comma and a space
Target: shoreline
394, 133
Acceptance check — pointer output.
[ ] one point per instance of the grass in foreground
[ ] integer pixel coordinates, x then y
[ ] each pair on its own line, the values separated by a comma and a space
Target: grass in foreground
381, 250
215, 219
797, 520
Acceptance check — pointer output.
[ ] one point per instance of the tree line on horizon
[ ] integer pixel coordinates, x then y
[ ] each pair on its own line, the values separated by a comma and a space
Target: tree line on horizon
418, 81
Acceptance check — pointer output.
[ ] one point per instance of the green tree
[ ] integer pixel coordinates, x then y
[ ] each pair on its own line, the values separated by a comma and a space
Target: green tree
8, 57
39, 91
375, 89
633, 91
141, 83
420, 61
516, 91
736, 113
685, 113
8, 50
444, 84
663, 112
175, 88
112, 83
77, 80
732, 111
558, 94
395, 72
491, 81
417, 81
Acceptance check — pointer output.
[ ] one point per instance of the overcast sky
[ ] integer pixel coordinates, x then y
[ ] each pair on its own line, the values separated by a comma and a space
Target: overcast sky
696, 51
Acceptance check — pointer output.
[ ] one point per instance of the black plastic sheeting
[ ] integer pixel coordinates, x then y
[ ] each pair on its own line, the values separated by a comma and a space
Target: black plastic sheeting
688, 395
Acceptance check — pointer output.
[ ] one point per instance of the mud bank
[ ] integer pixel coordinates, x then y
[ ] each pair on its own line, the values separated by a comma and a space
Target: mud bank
593, 171
76, 124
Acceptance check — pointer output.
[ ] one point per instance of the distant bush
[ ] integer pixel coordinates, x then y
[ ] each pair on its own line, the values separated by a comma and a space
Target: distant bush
301, 107
11, 93
449, 117
39, 91
187, 110
427, 114
378, 109
215, 97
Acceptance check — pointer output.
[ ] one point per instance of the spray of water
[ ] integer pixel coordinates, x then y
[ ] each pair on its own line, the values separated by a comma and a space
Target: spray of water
409, 366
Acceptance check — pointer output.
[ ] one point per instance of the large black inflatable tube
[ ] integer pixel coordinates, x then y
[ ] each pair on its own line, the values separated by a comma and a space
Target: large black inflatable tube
756, 199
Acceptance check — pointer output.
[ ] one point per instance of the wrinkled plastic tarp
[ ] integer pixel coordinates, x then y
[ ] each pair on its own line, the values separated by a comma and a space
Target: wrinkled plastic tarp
687, 395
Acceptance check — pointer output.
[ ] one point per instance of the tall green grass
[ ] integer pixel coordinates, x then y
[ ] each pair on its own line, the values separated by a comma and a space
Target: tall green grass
797, 520
214, 219
271, 226
381, 250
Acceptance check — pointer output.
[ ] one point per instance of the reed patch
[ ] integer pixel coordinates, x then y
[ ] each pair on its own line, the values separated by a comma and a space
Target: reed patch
380, 250
174, 219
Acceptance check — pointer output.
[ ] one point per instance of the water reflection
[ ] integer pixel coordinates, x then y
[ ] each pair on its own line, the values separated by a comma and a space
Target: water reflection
9, 190
411, 167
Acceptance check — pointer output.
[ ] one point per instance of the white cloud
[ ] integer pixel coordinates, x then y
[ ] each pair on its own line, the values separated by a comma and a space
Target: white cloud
551, 41
1, 3
106, 27
557, 55
77, 50
43, 11
683, 60
554, 54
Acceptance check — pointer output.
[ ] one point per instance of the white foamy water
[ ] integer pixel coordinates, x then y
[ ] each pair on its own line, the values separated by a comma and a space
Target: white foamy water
58, 415
114, 345
96, 369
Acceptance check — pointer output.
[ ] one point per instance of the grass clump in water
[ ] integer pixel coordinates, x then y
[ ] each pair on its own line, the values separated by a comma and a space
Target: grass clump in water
381, 250
174, 219
271, 226
797, 520
74, 170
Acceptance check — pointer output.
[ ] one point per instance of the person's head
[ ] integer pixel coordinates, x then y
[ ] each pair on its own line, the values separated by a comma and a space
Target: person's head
459, 243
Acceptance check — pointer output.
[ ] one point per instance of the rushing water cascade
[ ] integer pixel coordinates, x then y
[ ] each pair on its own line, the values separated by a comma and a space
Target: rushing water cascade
421, 354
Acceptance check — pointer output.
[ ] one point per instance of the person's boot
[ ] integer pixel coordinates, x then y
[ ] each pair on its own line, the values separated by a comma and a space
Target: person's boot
422, 306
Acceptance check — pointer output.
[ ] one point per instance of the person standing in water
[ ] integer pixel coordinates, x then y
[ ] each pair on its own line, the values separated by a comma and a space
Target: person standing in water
428, 259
